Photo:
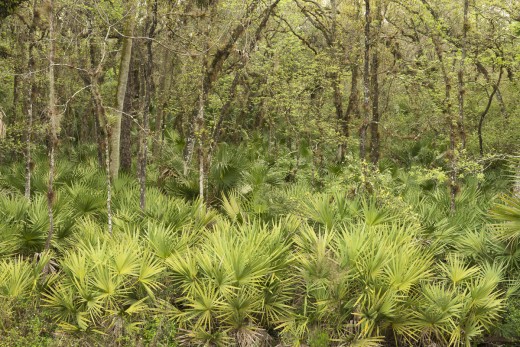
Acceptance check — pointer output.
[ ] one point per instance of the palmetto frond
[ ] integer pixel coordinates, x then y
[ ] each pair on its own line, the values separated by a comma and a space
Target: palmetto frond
17, 278
508, 212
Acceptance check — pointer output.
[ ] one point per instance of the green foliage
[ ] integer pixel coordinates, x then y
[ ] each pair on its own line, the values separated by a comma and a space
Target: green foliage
357, 263
510, 328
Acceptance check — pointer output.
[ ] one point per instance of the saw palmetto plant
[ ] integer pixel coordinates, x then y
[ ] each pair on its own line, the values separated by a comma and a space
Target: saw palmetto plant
268, 264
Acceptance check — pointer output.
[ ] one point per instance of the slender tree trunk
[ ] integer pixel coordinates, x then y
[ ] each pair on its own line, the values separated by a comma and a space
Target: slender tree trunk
104, 137
190, 145
338, 106
214, 68
28, 140
163, 97
201, 138
53, 120
353, 99
485, 112
366, 85
502, 104
336, 83
30, 100
124, 68
99, 111
460, 75
516, 187
353, 102
131, 109
500, 100
452, 124
16, 92
104, 128
146, 108
3, 124
374, 124
20, 64
101, 122
224, 113
109, 180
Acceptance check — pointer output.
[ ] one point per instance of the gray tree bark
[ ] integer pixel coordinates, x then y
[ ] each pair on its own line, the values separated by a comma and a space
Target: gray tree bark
124, 68
53, 122
366, 85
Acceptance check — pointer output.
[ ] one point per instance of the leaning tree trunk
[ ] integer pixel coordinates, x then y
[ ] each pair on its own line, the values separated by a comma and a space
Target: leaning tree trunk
485, 112
213, 70
224, 113
53, 120
124, 68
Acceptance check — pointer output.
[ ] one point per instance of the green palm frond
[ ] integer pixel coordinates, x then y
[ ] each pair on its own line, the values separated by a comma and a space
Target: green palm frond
367, 342
183, 270
231, 205
17, 278
149, 271
164, 240
320, 210
86, 201
457, 271
508, 213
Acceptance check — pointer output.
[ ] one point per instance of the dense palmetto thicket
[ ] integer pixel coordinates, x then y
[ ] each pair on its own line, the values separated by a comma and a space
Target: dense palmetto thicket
259, 173
273, 263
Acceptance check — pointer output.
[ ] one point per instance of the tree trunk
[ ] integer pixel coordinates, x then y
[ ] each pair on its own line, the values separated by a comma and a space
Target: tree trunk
338, 107
374, 124
130, 111
29, 110
104, 138
460, 76
485, 112
366, 85
146, 108
214, 68
224, 113
3, 124
53, 120
516, 187
200, 131
17, 79
163, 98
353, 100
103, 132
484, 71
92, 79
124, 68
336, 83
452, 124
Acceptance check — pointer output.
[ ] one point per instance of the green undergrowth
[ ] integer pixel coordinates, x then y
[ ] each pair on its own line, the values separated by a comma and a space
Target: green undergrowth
360, 258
